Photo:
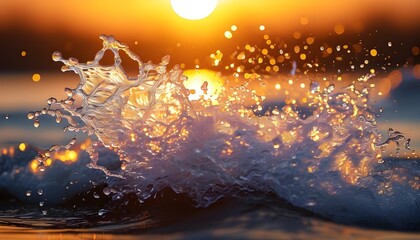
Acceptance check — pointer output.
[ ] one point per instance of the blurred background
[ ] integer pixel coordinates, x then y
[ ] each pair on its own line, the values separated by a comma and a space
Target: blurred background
383, 35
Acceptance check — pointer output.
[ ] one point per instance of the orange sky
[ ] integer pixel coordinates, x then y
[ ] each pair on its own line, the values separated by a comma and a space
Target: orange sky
153, 20
152, 29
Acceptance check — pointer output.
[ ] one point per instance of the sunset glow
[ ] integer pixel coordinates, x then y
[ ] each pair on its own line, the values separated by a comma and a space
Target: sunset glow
194, 9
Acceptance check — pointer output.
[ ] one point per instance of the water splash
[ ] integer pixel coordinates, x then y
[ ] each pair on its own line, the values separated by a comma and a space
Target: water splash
395, 137
326, 145
118, 109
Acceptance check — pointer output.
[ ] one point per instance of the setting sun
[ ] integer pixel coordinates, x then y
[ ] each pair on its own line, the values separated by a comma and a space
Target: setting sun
194, 9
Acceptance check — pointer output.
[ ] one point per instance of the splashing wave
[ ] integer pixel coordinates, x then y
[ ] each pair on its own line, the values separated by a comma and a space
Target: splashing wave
327, 160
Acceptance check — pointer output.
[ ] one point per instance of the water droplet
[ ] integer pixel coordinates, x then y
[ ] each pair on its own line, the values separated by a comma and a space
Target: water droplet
314, 87
40, 191
51, 101
95, 195
165, 60
73, 61
58, 120
31, 115
102, 212
108, 190
36, 123
64, 68
330, 88
228, 34
71, 143
69, 101
44, 212
36, 77
41, 204
311, 203
56, 56
407, 144
161, 69
68, 91
123, 165
276, 143
117, 196
28, 193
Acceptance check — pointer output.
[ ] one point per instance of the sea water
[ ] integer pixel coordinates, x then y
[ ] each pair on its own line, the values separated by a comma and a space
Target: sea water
320, 152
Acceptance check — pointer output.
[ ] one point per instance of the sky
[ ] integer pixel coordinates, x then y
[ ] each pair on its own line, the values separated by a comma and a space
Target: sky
152, 29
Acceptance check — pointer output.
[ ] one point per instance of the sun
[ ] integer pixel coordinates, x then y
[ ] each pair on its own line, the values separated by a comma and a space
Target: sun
194, 9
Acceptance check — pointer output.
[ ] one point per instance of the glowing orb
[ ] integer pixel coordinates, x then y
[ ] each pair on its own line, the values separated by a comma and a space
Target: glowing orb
194, 9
